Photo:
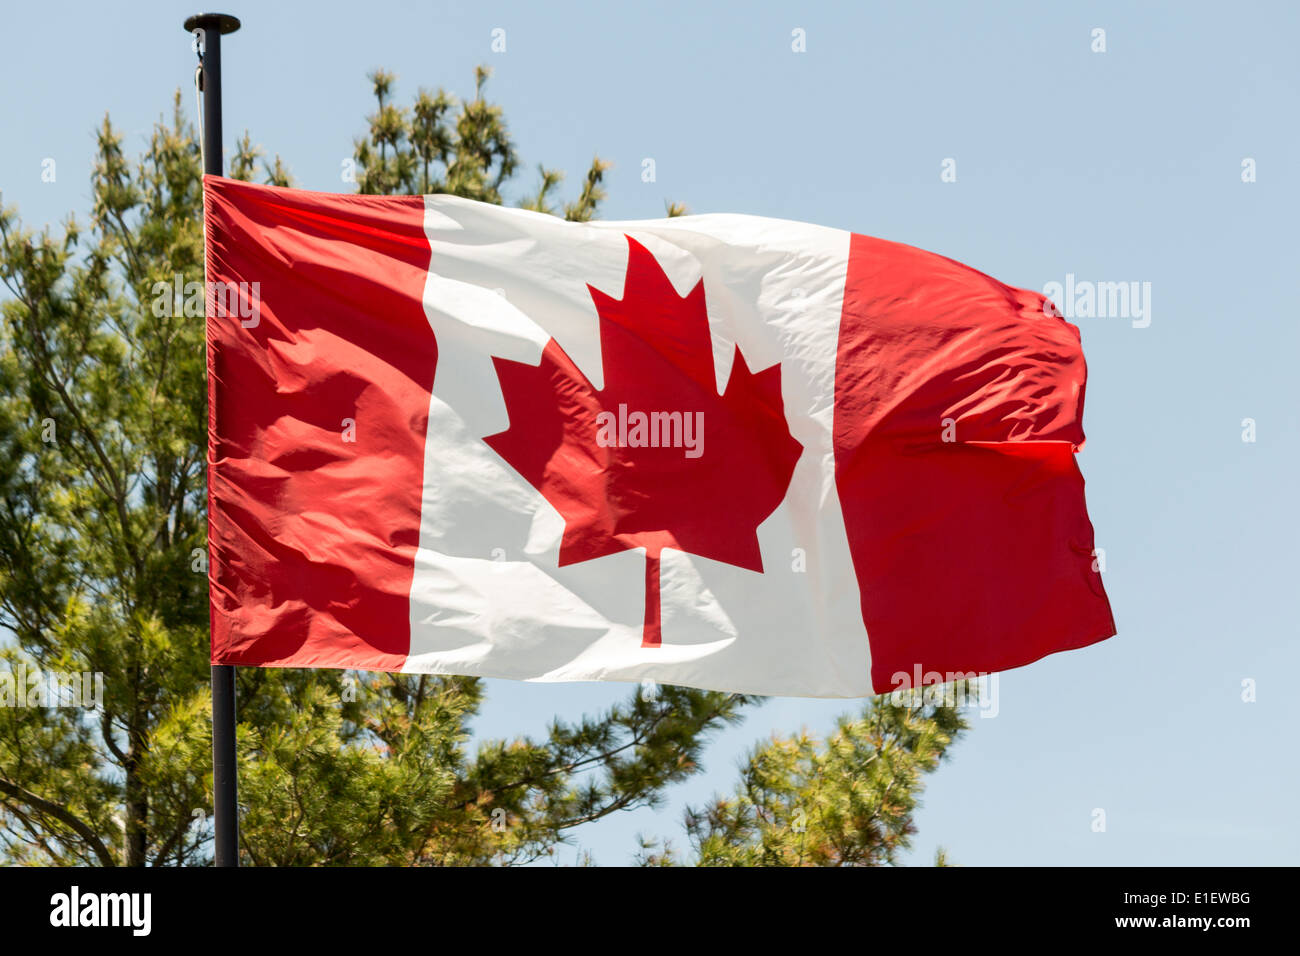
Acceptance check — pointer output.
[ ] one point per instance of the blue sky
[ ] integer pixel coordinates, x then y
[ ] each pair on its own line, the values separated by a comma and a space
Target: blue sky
1123, 165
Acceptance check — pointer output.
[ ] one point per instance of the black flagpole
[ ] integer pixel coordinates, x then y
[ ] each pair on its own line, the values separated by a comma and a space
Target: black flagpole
225, 811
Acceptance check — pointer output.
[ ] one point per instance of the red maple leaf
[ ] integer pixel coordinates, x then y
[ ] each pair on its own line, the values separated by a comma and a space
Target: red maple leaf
618, 488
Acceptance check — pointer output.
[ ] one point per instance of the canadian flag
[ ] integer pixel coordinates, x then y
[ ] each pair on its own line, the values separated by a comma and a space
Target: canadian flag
721, 451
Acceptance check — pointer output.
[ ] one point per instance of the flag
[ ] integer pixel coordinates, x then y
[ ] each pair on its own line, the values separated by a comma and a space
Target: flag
720, 451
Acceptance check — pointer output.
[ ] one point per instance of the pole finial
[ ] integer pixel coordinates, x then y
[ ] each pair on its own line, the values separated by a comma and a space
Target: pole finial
222, 22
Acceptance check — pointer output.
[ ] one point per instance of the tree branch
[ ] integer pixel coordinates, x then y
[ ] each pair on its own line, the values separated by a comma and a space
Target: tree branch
61, 814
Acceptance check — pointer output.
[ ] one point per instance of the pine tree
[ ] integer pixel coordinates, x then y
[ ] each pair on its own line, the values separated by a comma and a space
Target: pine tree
845, 801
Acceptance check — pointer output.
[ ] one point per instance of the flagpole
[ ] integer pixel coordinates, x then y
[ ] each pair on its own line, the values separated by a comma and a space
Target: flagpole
211, 27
